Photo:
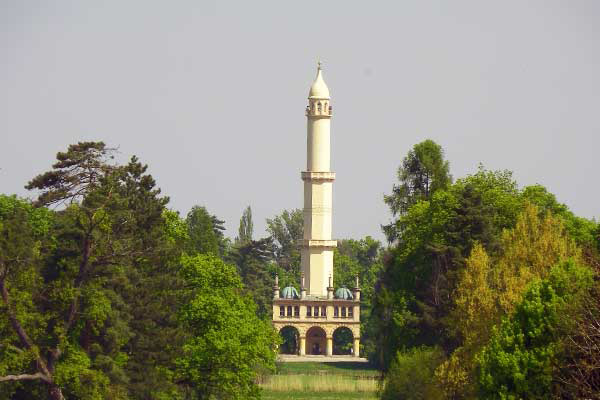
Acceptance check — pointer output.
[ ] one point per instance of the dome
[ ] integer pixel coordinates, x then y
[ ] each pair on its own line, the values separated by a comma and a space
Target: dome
319, 89
344, 293
289, 292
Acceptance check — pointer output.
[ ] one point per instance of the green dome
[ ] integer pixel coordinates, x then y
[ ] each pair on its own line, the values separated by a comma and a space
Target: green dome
344, 293
289, 292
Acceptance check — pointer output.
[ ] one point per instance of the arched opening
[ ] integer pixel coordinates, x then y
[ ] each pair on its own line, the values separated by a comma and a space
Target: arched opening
342, 341
316, 341
291, 340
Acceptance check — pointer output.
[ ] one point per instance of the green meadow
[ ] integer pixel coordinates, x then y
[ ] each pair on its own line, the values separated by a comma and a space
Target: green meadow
315, 380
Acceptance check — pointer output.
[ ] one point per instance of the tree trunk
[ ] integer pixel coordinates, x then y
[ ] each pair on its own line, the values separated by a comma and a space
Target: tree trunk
55, 392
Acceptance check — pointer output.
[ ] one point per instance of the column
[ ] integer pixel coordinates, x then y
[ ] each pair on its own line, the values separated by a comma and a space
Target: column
356, 347
302, 346
329, 346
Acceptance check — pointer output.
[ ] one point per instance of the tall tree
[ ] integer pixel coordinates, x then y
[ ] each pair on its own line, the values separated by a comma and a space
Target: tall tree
423, 171
107, 207
414, 290
229, 345
202, 232
246, 227
287, 230
253, 260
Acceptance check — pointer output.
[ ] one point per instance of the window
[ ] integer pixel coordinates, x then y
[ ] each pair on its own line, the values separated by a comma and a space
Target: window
296, 311
308, 313
289, 313
336, 312
319, 107
343, 312
323, 311
281, 311
316, 311
350, 312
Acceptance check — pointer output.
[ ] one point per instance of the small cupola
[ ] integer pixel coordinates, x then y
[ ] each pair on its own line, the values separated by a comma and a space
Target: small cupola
289, 292
344, 293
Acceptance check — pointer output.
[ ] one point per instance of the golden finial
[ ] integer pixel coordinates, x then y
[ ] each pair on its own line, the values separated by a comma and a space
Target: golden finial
318, 64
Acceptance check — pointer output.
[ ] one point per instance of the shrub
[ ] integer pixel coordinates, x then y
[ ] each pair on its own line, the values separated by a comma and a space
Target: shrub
411, 375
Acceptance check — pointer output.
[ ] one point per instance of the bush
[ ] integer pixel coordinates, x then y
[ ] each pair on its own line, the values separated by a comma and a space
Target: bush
411, 375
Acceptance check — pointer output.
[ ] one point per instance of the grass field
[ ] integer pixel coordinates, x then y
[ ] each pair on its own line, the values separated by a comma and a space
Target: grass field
322, 381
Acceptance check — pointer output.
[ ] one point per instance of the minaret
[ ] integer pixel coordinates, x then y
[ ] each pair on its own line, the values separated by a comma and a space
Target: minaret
317, 246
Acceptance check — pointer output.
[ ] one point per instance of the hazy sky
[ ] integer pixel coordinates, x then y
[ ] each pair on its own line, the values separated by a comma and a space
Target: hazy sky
212, 95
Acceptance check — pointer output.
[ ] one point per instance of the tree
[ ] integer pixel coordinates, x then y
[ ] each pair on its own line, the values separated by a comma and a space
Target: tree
22, 230
202, 232
253, 260
579, 374
521, 357
420, 271
73, 310
246, 227
360, 258
287, 230
422, 173
229, 345
490, 287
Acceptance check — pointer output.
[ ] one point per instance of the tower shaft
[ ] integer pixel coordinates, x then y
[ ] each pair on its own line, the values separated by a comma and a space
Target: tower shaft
317, 245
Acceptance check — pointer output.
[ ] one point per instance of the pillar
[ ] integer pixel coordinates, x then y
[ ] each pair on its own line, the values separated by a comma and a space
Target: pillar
329, 346
302, 346
356, 348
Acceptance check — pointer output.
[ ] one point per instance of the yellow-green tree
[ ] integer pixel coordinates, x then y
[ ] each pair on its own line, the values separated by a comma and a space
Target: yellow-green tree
489, 288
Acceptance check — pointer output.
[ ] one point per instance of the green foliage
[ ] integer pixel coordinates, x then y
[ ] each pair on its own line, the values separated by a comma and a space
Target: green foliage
201, 231
360, 258
79, 380
246, 227
521, 357
287, 230
422, 173
253, 259
411, 375
582, 230
421, 271
229, 345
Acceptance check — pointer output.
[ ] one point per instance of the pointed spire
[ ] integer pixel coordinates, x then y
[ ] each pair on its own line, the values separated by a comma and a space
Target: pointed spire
319, 89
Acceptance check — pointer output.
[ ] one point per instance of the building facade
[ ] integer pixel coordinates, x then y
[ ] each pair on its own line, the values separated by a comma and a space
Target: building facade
318, 311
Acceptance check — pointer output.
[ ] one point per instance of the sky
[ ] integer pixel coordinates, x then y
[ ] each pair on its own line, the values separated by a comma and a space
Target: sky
211, 95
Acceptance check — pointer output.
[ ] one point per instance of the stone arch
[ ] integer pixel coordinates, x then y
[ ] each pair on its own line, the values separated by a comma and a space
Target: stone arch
343, 340
291, 340
319, 108
316, 340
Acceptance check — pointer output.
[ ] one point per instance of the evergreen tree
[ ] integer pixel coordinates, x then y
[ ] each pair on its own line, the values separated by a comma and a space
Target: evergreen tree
246, 227
75, 344
423, 171
203, 236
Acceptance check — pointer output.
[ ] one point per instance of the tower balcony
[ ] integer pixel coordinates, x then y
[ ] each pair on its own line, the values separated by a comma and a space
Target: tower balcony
318, 243
323, 176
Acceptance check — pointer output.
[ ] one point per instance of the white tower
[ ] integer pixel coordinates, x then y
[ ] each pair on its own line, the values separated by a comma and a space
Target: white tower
317, 246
